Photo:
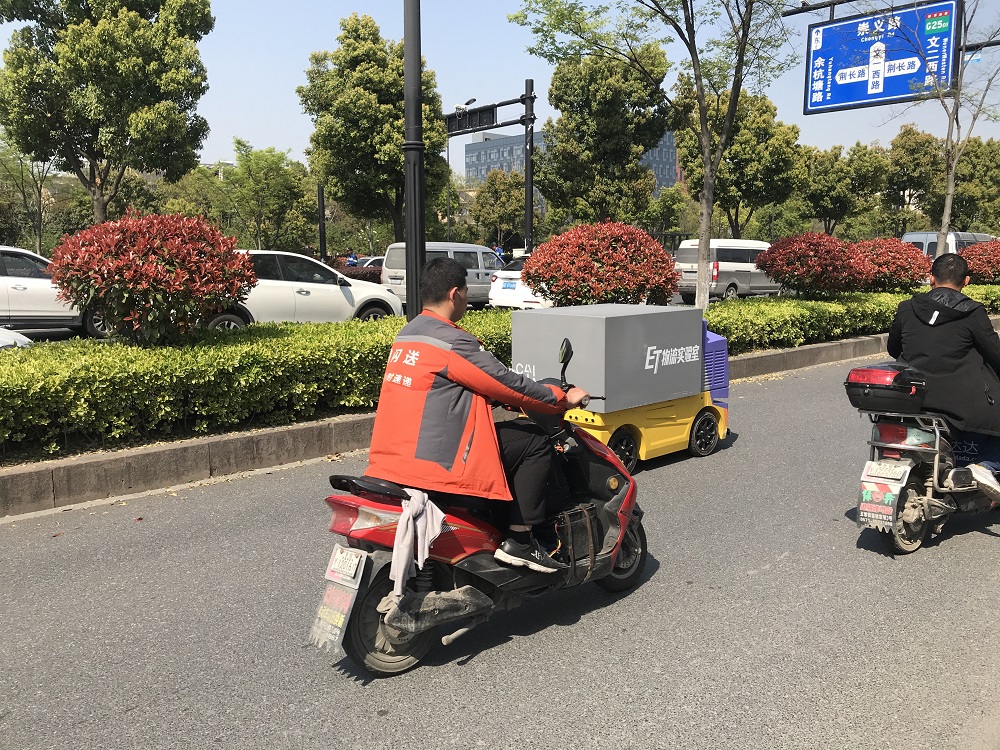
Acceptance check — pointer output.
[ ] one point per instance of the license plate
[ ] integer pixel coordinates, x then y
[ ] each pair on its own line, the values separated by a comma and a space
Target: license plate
886, 470
395, 281
509, 284
344, 565
332, 616
690, 274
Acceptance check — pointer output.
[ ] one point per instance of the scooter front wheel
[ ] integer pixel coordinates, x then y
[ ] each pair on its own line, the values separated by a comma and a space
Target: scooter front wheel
370, 643
630, 562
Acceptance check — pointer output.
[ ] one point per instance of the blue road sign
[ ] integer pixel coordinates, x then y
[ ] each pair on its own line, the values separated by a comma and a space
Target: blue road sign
888, 57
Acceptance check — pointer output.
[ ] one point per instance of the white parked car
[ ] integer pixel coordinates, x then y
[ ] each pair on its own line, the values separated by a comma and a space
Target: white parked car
28, 297
507, 289
295, 288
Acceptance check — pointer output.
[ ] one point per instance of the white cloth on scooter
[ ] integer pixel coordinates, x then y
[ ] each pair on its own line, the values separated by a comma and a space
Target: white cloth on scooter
418, 526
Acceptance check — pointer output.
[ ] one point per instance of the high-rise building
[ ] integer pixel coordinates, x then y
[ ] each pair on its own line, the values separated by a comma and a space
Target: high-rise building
506, 153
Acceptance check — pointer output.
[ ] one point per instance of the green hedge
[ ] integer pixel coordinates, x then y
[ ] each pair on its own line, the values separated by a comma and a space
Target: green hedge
85, 394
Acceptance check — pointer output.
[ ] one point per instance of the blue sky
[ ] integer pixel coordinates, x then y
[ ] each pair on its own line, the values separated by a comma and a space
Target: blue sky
259, 51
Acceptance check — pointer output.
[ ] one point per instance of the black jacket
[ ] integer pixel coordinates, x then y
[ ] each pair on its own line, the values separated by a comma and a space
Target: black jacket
949, 338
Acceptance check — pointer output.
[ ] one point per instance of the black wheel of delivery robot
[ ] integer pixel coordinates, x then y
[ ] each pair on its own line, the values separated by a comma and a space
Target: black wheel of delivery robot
371, 644
704, 433
630, 562
624, 445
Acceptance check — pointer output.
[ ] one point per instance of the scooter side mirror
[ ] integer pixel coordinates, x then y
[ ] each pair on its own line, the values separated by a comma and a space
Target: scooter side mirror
565, 352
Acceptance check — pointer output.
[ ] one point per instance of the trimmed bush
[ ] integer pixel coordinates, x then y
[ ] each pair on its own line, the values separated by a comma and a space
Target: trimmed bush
811, 263
784, 322
607, 262
888, 265
88, 394
92, 394
153, 278
984, 262
818, 265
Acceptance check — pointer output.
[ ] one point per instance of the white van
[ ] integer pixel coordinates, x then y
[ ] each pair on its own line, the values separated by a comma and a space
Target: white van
481, 263
734, 271
955, 241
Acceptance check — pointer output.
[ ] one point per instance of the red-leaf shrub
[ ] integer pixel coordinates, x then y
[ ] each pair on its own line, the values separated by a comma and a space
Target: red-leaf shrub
153, 278
364, 273
819, 265
888, 265
984, 262
810, 263
607, 262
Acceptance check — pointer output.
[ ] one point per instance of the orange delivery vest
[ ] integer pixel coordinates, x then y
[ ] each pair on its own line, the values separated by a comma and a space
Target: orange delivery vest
434, 423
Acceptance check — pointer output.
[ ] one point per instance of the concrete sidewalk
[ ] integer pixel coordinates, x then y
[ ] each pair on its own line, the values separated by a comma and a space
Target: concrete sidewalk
95, 476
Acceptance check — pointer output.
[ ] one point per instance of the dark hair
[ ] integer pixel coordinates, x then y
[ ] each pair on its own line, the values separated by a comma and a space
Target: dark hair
439, 277
950, 268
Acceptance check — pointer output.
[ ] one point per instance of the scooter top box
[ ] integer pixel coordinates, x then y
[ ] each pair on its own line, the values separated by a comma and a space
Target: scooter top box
632, 355
887, 386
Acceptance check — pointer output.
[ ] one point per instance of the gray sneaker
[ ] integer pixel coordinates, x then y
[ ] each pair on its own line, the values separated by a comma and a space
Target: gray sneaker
987, 481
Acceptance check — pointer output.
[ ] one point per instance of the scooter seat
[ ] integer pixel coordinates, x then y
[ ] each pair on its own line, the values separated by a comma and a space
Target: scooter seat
368, 484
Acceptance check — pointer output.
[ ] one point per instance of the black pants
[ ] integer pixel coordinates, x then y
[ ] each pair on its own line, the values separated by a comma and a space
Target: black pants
527, 458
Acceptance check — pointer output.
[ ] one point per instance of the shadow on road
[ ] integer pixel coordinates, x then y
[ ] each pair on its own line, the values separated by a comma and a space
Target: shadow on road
560, 608
874, 541
672, 458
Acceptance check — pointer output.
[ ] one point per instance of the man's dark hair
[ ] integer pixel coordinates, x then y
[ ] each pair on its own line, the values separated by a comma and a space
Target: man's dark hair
950, 268
439, 277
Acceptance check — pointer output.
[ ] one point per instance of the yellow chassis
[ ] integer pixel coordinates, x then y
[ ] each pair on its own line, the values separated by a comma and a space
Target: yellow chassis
658, 429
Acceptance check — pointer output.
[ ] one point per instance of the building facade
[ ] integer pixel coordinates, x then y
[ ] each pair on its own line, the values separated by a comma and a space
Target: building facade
506, 153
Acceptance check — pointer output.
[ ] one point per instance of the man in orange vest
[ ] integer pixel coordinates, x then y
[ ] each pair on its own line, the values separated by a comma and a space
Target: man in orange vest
434, 426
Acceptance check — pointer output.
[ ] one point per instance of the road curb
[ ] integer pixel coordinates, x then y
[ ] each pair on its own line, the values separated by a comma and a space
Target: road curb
53, 484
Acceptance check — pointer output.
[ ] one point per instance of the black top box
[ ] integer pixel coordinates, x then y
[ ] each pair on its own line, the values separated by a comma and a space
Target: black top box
886, 387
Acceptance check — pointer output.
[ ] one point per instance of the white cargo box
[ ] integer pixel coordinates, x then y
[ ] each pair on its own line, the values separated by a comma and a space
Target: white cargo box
633, 355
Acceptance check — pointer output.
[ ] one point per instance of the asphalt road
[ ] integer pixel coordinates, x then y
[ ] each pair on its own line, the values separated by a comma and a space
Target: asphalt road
765, 619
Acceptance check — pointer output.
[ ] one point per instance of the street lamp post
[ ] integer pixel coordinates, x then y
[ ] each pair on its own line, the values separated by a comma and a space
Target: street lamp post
413, 154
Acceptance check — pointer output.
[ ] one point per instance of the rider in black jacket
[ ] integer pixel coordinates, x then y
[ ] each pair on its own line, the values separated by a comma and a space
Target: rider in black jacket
949, 338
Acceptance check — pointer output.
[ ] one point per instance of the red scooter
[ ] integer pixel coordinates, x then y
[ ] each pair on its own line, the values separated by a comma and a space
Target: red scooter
599, 537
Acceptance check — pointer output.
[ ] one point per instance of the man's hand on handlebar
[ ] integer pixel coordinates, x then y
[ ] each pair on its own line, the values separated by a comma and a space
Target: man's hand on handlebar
577, 397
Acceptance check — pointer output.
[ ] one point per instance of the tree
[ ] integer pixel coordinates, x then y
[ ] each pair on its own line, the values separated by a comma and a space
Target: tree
914, 165
27, 181
201, 192
610, 115
499, 204
977, 189
969, 95
263, 191
761, 166
966, 97
749, 35
101, 87
355, 98
829, 192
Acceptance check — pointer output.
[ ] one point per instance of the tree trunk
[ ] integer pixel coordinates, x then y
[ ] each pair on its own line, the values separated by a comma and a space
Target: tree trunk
705, 241
100, 204
950, 167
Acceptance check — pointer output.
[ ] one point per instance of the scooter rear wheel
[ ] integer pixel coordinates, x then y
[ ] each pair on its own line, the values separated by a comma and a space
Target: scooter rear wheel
907, 537
630, 562
372, 645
